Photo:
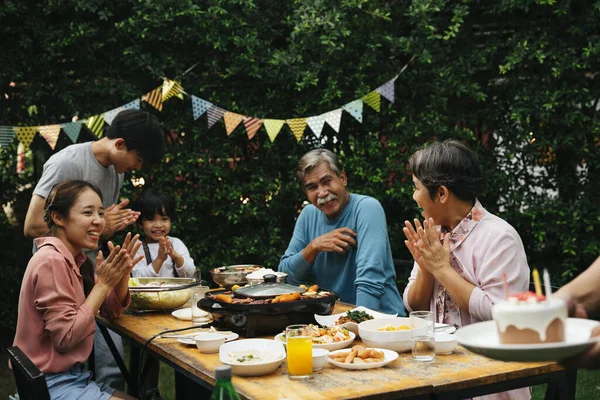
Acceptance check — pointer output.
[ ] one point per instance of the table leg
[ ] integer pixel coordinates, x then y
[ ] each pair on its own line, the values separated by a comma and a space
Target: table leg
134, 366
186, 389
564, 387
116, 355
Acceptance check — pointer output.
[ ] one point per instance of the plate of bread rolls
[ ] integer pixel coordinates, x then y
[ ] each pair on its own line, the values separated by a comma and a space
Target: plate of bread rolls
361, 357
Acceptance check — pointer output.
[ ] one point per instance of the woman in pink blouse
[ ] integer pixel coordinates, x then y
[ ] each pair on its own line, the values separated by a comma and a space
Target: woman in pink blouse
461, 251
55, 325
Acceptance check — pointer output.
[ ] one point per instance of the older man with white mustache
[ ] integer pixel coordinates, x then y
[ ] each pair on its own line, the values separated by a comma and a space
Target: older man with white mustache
341, 241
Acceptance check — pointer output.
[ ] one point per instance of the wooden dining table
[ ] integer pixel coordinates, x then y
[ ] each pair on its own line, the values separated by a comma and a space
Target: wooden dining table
461, 374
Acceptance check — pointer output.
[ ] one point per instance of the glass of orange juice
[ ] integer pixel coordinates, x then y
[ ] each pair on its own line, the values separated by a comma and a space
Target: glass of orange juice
299, 351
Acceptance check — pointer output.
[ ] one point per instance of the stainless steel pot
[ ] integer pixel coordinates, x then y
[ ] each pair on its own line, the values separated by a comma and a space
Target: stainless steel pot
230, 275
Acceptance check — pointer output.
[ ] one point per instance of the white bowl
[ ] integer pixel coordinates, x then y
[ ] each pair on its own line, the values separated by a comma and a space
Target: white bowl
445, 343
319, 358
391, 340
272, 348
209, 342
399, 346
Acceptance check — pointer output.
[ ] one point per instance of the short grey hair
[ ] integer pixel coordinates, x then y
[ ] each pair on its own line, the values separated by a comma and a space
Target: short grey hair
315, 157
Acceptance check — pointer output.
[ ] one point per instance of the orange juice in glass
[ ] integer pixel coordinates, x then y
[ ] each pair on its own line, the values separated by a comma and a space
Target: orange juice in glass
299, 351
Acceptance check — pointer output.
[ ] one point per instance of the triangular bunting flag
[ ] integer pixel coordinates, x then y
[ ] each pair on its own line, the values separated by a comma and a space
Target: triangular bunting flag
273, 126
154, 98
355, 108
297, 125
373, 99
232, 120
7, 134
25, 134
199, 106
109, 116
333, 118
171, 88
132, 105
50, 133
316, 124
214, 114
252, 126
96, 124
72, 130
387, 90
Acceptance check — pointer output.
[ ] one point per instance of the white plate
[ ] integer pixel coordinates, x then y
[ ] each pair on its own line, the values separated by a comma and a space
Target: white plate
326, 346
192, 342
329, 320
185, 314
482, 338
388, 357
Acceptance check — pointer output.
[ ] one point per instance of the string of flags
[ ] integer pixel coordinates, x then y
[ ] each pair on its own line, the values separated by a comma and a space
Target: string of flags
171, 88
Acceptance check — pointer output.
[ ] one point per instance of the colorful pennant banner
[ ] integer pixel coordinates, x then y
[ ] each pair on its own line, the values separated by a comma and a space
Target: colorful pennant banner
200, 106
50, 133
109, 116
232, 120
171, 88
297, 125
252, 126
373, 99
214, 114
273, 126
154, 98
25, 134
7, 133
72, 130
355, 108
96, 125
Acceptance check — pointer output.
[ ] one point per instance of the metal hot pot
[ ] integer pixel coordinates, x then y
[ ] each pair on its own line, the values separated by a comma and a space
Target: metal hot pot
258, 316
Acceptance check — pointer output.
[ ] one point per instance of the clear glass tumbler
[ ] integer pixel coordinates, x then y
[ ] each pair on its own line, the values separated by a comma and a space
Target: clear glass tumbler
199, 316
422, 335
299, 351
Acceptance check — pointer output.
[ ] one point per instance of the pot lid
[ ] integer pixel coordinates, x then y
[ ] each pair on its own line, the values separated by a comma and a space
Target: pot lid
269, 288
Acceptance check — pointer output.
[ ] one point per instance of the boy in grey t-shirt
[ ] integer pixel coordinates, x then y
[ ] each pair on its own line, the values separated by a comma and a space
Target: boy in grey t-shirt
134, 137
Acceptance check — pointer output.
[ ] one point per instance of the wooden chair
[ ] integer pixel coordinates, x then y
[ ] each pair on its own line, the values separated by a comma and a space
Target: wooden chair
31, 383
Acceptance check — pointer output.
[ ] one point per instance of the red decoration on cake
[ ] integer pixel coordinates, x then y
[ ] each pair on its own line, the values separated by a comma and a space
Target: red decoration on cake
524, 296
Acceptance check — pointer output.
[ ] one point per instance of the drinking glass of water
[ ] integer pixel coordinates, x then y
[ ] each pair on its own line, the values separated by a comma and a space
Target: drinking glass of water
422, 335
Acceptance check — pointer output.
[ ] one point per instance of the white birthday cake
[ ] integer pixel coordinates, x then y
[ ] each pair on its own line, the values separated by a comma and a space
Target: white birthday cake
529, 318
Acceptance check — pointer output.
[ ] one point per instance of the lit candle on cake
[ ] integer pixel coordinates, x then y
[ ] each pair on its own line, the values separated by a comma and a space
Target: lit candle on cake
547, 286
536, 282
505, 283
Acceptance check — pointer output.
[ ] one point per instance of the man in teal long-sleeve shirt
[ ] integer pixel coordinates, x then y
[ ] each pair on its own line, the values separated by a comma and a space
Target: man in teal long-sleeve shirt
341, 241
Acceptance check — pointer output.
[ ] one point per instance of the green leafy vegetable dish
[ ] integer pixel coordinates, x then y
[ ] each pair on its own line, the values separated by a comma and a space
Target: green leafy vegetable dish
354, 316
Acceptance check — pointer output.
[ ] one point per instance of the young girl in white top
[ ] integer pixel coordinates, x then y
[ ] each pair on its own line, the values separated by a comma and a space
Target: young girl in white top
164, 256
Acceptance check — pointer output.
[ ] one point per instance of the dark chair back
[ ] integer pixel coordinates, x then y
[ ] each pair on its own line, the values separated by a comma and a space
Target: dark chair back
31, 383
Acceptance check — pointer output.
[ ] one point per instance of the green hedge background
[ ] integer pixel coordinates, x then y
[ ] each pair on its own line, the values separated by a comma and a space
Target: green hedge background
518, 80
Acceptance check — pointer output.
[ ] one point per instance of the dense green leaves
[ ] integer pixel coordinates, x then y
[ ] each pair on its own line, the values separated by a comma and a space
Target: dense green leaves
515, 79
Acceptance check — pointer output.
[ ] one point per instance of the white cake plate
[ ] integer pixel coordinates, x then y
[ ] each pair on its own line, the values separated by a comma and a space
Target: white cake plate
482, 338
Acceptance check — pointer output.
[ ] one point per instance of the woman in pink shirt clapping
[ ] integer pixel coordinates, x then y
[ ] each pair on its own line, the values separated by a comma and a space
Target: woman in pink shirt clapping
55, 325
461, 251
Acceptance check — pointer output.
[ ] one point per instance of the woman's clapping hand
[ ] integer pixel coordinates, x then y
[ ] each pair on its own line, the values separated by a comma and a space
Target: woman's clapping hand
423, 242
120, 261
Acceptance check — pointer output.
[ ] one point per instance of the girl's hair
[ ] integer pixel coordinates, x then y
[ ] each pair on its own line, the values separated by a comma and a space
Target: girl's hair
62, 197
451, 164
151, 203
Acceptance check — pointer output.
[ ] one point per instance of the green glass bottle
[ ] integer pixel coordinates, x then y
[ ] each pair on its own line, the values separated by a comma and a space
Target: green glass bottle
224, 388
